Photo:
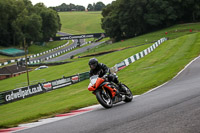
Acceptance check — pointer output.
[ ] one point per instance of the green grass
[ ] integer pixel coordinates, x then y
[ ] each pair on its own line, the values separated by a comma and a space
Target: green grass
173, 32
35, 49
161, 65
56, 72
152, 70
81, 22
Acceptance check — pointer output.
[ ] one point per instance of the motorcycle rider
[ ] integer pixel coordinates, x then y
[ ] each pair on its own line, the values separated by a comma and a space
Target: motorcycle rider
101, 69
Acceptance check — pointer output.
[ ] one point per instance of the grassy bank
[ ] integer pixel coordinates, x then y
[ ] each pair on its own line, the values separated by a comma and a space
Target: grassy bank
35, 49
163, 64
173, 32
152, 70
56, 72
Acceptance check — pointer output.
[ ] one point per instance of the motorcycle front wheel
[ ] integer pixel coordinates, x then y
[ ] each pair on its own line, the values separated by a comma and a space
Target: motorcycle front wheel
104, 98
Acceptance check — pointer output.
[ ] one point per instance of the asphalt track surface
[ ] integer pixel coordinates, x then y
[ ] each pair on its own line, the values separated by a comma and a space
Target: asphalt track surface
172, 108
75, 43
69, 54
74, 52
48, 54
54, 52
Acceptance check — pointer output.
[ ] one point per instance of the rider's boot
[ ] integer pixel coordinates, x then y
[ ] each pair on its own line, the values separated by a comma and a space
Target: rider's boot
117, 92
121, 88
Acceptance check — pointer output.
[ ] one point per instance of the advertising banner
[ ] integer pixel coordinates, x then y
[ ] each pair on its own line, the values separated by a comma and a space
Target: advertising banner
82, 36
2, 100
75, 79
20, 93
47, 86
61, 82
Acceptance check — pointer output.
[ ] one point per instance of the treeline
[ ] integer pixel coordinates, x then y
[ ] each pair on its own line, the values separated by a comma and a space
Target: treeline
124, 19
20, 20
96, 6
71, 7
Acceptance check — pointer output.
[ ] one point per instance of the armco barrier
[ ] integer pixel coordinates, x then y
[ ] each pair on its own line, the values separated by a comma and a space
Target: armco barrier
33, 56
21, 93
84, 76
139, 55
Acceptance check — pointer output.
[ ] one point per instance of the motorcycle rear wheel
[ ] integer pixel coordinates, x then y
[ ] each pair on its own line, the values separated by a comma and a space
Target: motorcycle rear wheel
104, 98
129, 95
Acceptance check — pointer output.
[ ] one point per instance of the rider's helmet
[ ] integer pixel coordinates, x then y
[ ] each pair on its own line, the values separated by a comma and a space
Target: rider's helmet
93, 63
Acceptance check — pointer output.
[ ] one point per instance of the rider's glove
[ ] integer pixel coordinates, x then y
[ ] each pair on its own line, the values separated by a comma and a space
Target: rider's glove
105, 76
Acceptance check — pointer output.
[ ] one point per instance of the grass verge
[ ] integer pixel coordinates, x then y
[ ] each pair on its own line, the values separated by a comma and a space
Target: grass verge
152, 70
35, 49
173, 32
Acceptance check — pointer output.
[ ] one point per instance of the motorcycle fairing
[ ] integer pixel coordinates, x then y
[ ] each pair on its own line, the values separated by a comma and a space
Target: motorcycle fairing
112, 90
96, 85
99, 83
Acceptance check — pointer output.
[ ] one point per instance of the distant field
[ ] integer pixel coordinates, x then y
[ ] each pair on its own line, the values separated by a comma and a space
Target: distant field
81, 22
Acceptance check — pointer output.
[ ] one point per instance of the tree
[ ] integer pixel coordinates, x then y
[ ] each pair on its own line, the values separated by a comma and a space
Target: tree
27, 27
110, 21
90, 7
72, 6
20, 19
80, 8
99, 6
50, 21
126, 18
7, 14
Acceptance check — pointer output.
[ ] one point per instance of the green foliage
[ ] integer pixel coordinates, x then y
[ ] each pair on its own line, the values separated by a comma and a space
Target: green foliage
96, 6
71, 7
90, 7
50, 20
124, 18
20, 19
99, 6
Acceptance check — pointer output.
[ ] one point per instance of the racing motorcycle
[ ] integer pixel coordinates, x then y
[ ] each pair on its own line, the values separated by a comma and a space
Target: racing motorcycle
108, 93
